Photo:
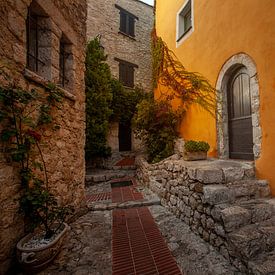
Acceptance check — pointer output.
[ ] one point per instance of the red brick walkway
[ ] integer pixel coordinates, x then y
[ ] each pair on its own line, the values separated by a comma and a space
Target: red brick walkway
98, 197
138, 247
127, 193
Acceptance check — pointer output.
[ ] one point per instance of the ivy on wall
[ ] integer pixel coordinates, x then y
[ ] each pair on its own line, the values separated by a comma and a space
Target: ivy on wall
189, 87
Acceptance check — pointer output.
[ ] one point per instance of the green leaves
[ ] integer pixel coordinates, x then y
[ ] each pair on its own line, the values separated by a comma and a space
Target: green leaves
156, 124
7, 134
98, 100
22, 113
196, 146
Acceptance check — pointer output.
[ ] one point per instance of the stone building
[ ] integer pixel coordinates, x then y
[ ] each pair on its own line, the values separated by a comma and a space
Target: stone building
125, 29
41, 42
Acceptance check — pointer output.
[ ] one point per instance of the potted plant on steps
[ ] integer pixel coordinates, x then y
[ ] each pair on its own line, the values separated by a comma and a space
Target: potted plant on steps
195, 150
24, 116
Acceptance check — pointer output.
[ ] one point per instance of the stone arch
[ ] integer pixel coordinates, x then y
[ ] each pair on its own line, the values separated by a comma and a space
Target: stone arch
238, 60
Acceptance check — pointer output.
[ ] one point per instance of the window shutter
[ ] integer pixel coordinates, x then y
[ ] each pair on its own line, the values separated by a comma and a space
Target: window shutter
130, 76
123, 22
131, 26
123, 73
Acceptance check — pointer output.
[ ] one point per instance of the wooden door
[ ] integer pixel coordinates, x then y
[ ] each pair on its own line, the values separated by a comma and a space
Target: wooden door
125, 137
239, 116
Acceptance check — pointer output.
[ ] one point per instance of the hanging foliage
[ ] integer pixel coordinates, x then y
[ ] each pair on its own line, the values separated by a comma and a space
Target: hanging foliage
169, 72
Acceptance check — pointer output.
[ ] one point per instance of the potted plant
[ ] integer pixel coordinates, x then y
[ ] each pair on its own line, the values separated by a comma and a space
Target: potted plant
23, 116
195, 150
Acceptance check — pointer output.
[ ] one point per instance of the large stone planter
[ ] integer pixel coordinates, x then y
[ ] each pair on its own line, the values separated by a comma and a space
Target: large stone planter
36, 259
190, 156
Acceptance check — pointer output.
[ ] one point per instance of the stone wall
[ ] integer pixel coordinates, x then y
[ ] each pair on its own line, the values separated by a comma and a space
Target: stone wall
64, 149
211, 197
104, 20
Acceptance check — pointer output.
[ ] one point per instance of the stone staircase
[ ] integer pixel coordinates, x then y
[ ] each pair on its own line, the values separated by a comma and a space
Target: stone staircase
224, 203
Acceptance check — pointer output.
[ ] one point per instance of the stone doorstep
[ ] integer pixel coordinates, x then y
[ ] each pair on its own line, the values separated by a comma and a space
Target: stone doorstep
122, 205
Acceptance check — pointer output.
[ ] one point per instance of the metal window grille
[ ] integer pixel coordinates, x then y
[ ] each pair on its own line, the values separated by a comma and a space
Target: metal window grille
62, 60
33, 60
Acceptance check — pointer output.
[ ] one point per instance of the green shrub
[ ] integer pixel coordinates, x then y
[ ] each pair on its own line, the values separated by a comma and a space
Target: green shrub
124, 103
156, 124
196, 146
98, 100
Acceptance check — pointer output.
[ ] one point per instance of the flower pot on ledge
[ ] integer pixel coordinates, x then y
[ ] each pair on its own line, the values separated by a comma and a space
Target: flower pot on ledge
190, 156
34, 259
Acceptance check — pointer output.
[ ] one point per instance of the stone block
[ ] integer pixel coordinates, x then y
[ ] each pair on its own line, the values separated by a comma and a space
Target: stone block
232, 174
247, 242
219, 229
217, 194
179, 146
234, 217
209, 175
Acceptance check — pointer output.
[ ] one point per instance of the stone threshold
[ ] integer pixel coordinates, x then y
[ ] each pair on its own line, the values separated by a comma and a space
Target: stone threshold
122, 205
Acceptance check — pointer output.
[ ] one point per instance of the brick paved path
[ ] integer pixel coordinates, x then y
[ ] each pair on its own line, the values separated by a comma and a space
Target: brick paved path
126, 193
137, 244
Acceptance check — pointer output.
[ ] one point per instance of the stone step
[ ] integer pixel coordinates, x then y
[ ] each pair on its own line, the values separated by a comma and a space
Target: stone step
263, 265
214, 194
107, 175
252, 240
250, 189
246, 212
100, 206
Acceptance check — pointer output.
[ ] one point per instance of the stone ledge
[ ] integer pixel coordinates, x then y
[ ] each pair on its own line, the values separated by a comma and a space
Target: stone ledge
32, 76
122, 205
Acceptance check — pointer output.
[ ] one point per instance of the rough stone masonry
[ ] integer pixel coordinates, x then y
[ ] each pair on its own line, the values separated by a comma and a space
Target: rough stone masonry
222, 202
64, 153
104, 20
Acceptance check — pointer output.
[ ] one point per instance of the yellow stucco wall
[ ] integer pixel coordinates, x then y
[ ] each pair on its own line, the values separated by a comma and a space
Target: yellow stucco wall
223, 28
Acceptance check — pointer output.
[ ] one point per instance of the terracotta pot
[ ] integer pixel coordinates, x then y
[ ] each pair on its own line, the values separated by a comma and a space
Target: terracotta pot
200, 155
36, 259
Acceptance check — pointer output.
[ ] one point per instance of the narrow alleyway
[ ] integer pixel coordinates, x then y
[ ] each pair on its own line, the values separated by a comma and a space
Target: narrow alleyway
128, 232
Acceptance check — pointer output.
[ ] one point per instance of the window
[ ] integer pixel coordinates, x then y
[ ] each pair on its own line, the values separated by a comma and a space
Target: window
38, 41
65, 63
126, 73
185, 20
33, 60
62, 63
127, 22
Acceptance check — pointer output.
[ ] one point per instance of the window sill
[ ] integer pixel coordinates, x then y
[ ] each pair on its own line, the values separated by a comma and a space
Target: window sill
125, 34
184, 34
40, 80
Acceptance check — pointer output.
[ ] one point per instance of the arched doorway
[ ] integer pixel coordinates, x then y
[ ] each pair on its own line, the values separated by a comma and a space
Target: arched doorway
238, 121
240, 115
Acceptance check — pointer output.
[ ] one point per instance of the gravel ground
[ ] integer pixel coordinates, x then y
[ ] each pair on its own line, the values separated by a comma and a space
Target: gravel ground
87, 248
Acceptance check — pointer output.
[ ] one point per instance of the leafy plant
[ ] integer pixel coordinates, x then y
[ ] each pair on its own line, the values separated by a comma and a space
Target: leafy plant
125, 101
156, 124
23, 116
196, 146
107, 101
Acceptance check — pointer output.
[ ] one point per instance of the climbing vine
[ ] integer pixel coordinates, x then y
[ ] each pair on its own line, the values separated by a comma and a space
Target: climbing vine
190, 87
